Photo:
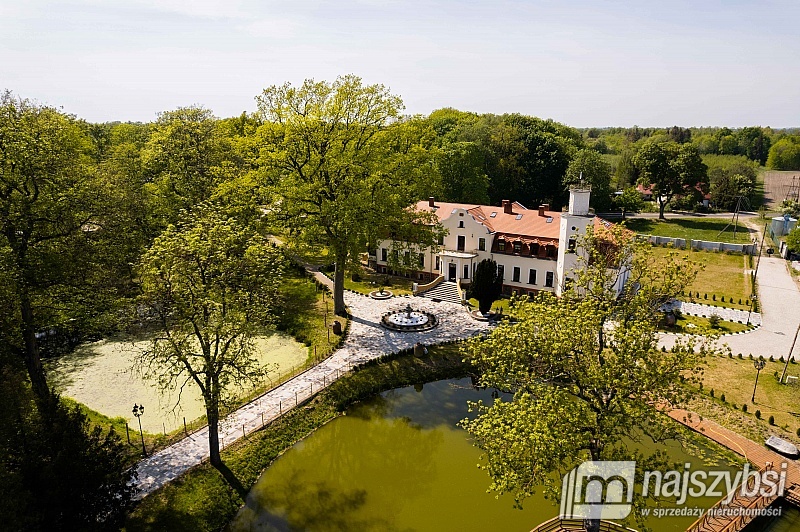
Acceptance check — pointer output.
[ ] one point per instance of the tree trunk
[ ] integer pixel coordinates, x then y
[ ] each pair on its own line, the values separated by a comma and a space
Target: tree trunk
212, 412
338, 285
33, 362
661, 205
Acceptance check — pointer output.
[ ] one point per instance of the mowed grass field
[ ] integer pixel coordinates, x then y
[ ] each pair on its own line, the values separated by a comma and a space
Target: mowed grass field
736, 377
723, 275
710, 229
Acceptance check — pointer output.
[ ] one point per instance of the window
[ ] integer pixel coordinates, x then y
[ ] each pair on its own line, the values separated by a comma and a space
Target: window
493, 215
501, 271
441, 240
552, 252
437, 263
531, 276
519, 217
466, 271
515, 274
462, 242
534, 250
501, 245
481, 244
548, 279
384, 254
421, 260
517, 247
571, 245
461, 224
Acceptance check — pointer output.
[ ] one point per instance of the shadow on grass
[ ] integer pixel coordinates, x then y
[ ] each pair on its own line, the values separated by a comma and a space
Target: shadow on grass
231, 479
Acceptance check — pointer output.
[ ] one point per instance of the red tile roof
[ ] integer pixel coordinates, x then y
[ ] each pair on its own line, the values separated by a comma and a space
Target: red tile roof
529, 224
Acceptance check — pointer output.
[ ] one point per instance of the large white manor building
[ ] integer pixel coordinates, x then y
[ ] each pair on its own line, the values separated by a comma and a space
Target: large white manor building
534, 249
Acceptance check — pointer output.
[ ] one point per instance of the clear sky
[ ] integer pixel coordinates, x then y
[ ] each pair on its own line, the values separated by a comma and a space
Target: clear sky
584, 63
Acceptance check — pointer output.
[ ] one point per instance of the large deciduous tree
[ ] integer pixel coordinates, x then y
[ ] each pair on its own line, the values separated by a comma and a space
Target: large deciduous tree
582, 390
670, 169
212, 285
48, 197
343, 167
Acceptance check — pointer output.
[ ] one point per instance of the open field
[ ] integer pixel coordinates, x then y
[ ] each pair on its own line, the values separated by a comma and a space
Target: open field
694, 228
723, 276
776, 185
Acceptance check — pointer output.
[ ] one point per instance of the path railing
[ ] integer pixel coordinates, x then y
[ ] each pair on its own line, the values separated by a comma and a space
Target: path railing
425, 287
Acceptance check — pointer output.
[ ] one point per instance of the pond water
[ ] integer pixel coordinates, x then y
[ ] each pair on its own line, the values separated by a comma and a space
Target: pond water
101, 376
398, 462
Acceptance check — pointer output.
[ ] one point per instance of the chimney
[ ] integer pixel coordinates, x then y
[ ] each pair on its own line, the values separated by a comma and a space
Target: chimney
507, 207
430, 202
542, 208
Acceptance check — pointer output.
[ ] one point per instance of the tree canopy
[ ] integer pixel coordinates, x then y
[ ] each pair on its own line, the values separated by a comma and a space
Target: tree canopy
212, 285
581, 390
343, 168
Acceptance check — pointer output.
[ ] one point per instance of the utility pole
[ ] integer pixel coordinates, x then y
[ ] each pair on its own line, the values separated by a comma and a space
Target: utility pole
789, 357
755, 274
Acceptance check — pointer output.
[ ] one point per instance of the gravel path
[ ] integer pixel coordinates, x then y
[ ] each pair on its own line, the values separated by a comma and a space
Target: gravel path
366, 340
780, 315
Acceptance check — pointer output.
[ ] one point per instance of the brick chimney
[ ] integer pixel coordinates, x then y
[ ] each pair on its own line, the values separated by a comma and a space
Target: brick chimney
507, 207
542, 208
431, 202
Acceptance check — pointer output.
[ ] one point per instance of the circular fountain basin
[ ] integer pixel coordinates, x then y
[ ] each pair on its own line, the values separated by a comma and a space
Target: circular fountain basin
409, 320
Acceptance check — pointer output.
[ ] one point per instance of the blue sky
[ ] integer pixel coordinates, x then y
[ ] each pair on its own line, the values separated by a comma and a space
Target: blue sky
584, 63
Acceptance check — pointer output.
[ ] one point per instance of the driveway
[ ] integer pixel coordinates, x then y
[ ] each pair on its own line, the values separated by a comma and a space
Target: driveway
780, 315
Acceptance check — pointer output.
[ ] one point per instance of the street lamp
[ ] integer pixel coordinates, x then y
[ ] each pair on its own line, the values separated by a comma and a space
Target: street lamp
759, 364
138, 410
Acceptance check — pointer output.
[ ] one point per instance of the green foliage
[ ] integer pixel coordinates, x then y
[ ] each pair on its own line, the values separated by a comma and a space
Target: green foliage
630, 201
785, 154
212, 284
758, 414
790, 207
580, 388
56, 472
590, 168
486, 285
670, 169
461, 167
771, 420
793, 239
342, 168
731, 176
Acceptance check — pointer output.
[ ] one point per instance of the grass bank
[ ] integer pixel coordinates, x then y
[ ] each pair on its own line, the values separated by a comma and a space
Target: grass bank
722, 282
698, 325
694, 228
202, 499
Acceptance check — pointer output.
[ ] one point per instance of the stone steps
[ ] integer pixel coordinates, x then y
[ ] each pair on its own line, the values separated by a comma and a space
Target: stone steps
444, 291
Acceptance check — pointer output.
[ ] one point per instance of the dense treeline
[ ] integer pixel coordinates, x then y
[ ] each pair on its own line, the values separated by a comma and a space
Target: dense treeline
327, 164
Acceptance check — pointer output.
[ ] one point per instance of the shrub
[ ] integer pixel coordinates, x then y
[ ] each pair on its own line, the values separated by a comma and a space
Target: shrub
751, 356
722, 299
758, 414
740, 300
705, 296
713, 297
722, 397
747, 302
771, 358
744, 408
712, 394
782, 359
740, 356
798, 433
714, 320
356, 278
730, 355
771, 420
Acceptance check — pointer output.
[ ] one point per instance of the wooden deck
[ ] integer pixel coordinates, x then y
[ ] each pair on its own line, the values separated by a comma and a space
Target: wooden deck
758, 455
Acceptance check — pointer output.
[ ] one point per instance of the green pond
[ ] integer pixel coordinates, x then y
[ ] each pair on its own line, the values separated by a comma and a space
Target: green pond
399, 462
101, 375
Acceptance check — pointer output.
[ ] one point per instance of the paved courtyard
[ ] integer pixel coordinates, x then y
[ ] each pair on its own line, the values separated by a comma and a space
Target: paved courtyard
366, 340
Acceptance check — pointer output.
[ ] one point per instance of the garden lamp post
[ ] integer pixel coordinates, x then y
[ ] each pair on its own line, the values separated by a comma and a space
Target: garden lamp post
138, 410
759, 364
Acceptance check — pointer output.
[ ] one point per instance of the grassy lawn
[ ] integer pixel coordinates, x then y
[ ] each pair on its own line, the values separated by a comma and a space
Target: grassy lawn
699, 325
202, 499
723, 276
371, 281
691, 229
501, 304
735, 378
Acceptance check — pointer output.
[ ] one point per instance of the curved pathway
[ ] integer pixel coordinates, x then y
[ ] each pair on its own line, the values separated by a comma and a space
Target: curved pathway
366, 340
780, 315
